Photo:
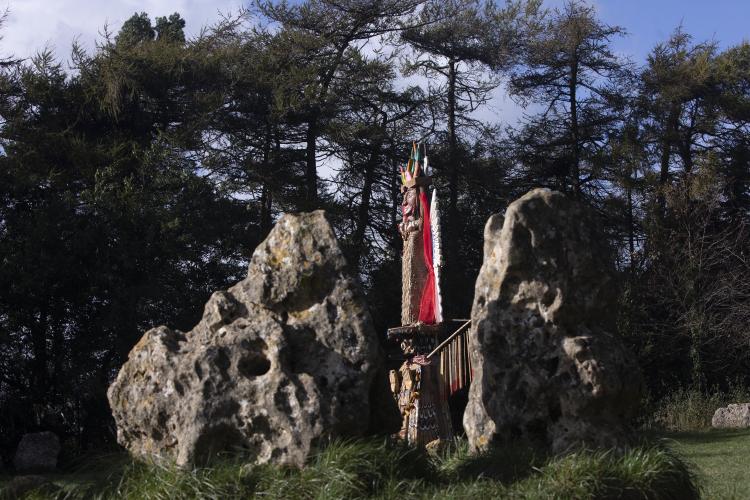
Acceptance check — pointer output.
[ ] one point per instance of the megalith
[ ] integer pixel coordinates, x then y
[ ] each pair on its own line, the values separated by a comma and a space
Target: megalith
280, 362
37, 452
548, 365
733, 416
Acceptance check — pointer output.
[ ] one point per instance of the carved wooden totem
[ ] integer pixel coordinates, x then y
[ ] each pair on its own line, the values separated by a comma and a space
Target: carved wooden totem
413, 265
418, 385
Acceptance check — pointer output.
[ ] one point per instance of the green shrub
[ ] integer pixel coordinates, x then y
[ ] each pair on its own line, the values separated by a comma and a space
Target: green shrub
645, 472
691, 409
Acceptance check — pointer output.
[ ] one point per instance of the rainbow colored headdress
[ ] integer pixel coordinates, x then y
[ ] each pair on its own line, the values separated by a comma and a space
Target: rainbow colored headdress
417, 165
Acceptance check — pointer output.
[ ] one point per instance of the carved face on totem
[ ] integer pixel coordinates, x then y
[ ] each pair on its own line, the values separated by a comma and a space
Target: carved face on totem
409, 205
409, 210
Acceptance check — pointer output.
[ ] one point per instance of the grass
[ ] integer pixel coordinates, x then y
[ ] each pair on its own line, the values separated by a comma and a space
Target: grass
384, 470
722, 458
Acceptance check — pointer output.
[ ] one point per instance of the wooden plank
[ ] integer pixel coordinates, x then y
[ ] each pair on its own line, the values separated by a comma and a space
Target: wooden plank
450, 337
414, 330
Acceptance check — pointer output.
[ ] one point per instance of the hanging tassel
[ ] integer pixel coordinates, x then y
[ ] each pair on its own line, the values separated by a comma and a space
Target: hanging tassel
454, 385
452, 366
456, 370
460, 363
466, 358
463, 361
471, 367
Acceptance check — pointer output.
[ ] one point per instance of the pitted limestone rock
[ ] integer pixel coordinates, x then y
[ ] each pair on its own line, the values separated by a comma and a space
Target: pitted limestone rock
547, 366
734, 416
281, 361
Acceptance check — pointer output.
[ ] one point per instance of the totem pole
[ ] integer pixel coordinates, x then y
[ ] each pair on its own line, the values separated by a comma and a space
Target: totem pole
418, 384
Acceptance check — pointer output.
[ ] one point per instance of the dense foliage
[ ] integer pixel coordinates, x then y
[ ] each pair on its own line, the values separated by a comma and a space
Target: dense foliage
139, 181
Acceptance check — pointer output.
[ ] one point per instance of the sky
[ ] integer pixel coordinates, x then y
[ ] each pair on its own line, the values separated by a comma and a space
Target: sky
650, 22
33, 25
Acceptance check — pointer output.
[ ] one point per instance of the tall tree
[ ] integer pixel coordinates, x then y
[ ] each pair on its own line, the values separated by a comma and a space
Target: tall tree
456, 46
324, 34
369, 137
106, 223
571, 72
731, 70
678, 101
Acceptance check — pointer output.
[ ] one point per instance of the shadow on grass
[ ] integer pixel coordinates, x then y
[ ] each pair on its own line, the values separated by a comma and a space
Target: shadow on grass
505, 464
701, 454
707, 436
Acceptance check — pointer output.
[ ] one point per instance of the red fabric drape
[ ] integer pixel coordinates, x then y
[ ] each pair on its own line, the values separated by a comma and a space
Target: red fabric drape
427, 301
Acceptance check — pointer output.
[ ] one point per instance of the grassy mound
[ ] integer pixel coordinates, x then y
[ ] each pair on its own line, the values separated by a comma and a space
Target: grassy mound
383, 469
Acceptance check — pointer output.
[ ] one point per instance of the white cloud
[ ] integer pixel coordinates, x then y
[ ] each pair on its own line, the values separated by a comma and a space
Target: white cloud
33, 24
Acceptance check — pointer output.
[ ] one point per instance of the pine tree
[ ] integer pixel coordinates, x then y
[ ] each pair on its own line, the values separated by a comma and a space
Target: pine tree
462, 47
321, 35
571, 73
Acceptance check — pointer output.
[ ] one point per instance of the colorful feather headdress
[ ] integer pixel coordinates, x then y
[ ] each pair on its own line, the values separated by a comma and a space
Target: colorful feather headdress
417, 166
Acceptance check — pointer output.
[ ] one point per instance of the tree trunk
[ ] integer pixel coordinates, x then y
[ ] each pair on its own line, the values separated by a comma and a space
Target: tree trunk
39, 347
576, 167
670, 130
363, 213
311, 168
452, 144
395, 185
266, 197
452, 268
631, 219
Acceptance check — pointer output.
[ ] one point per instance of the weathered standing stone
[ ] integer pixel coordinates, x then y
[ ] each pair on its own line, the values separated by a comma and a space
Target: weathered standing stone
37, 453
284, 359
735, 416
547, 366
